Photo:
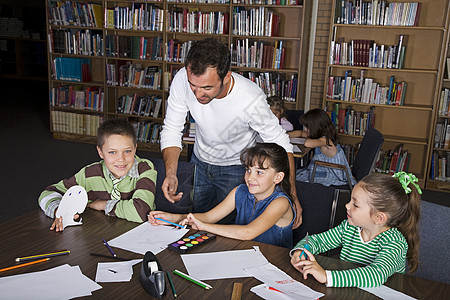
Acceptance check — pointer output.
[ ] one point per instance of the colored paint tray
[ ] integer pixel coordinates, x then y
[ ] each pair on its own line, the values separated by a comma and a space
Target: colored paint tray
191, 241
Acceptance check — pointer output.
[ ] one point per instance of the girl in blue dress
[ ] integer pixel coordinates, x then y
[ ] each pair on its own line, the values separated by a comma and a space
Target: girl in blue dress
265, 212
320, 134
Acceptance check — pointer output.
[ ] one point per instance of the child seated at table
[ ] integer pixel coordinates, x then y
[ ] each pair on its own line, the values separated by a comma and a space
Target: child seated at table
277, 107
381, 232
265, 212
320, 134
122, 184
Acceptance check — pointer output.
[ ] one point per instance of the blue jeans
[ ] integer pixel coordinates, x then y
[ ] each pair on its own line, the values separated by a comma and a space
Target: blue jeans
213, 183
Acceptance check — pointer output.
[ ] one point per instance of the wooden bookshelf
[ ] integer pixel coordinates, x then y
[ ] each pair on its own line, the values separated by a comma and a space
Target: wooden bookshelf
411, 122
119, 45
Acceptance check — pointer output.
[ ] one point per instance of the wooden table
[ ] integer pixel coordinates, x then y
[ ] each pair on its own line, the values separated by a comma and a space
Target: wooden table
30, 234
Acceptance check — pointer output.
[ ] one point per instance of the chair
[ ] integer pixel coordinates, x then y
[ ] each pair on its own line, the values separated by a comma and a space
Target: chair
319, 205
185, 174
293, 116
364, 161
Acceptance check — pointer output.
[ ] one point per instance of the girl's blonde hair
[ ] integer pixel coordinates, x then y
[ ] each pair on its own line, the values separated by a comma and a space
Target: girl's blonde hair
387, 195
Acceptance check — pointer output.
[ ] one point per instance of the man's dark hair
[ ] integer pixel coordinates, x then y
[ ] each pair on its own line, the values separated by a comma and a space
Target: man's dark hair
115, 126
208, 53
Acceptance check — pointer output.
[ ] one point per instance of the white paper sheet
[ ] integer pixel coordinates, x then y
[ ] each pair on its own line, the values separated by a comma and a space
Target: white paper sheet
297, 140
264, 293
147, 237
224, 264
276, 278
115, 271
387, 293
63, 282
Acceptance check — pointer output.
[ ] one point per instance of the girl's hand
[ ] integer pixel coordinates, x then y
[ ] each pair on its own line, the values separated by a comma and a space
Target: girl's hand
193, 222
295, 259
311, 266
162, 215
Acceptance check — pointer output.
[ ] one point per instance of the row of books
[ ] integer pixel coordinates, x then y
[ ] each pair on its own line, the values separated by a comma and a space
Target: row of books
184, 20
169, 75
200, 1
147, 132
70, 41
349, 121
366, 53
440, 166
177, 50
139, 105
365, 90
75, 13
189, 129
135, 47
377, 12
75, 96
275, 84
442, 134
393, 161
258, 54
138, 17
124, 73
71, 69
268, 2
444, 103
83, 124
255, 21
350, 152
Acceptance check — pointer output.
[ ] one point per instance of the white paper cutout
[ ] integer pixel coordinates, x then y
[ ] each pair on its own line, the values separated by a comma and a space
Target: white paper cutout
73, 202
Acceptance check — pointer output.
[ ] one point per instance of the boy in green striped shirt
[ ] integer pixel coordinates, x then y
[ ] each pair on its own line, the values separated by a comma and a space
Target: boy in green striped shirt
381, 232
121, 184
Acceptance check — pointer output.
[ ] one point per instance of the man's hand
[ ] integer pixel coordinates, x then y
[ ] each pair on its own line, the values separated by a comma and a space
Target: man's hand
169, 188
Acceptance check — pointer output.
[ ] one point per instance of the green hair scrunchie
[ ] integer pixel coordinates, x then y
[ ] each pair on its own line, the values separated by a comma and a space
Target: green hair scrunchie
407, 178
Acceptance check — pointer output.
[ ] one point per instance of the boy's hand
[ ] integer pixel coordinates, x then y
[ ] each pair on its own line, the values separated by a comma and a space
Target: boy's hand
169, 188
193, 222
97, 204
58, 222
310, 266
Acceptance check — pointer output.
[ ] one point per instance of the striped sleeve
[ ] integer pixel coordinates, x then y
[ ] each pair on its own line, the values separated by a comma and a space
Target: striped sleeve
390, 259
141, 199
324, 241
51, 196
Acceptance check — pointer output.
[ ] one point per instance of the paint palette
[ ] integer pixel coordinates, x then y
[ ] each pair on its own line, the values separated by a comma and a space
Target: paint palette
191, 241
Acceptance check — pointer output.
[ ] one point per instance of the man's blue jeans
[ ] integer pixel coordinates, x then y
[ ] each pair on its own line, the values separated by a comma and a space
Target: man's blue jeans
213, 183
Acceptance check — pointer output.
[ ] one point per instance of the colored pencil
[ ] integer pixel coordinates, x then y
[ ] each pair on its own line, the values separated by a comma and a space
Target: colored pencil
25, 264
178, 225
192, 279
38, 256
171, 285
109, 248
108, 256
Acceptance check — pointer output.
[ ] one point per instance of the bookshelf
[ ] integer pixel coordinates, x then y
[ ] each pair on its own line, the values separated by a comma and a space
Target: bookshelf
376, 85
110, 59
439, 160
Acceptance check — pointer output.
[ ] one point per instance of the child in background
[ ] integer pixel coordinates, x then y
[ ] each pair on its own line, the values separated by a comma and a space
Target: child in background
277, 107
122, 184
264, 209
381, 232
320, 134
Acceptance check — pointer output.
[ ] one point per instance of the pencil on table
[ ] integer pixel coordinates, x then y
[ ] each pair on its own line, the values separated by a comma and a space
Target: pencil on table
25, 264
192, 279
45, 255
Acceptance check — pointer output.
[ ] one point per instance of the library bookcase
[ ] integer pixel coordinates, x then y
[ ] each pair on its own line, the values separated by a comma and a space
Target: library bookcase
384, 70
110, 59
439, 160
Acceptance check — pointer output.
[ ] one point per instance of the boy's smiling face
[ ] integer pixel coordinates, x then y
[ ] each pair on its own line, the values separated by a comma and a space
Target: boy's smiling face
118, 152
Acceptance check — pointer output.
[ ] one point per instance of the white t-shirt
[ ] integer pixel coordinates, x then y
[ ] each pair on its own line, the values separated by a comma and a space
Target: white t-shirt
224, 127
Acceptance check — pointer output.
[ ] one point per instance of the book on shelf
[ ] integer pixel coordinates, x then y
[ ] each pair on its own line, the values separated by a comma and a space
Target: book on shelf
377, 12
440, 166
139, 16
75, 13
147, 132
71, 69
77, 42
68, 122
444, 103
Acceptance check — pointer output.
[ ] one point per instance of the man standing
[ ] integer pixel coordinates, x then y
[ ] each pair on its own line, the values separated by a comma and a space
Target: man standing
229, 111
